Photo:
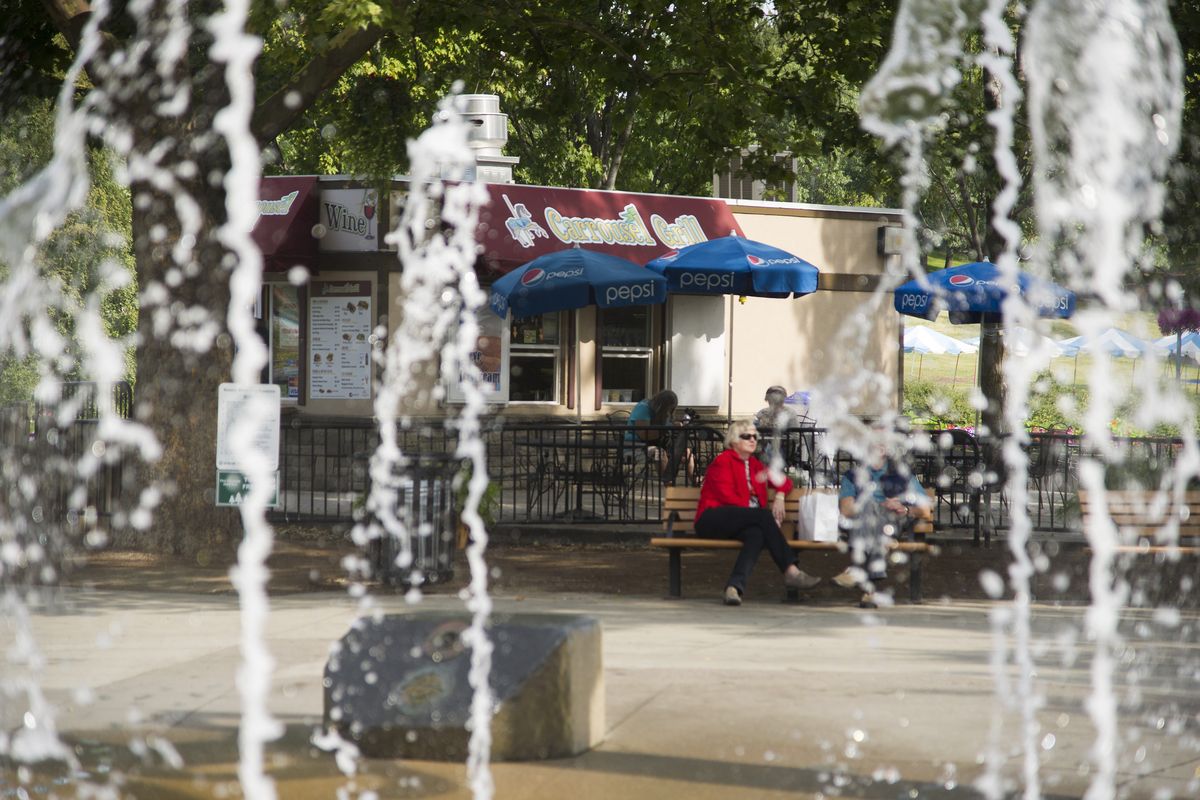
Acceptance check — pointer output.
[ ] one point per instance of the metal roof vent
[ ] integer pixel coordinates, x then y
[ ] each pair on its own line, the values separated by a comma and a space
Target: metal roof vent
487, 137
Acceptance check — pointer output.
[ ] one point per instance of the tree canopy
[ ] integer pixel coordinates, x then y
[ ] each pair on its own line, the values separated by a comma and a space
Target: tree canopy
638, 96
635, 95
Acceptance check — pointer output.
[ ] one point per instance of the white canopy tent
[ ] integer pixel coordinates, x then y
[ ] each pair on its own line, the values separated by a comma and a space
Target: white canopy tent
922, 340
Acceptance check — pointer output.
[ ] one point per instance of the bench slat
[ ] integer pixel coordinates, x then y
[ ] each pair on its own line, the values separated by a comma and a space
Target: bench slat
679, 510
679, 516
1143, 513
682, 542
1132, 548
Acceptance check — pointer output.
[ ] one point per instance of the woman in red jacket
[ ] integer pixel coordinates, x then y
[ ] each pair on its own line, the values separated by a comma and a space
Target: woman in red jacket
733, 504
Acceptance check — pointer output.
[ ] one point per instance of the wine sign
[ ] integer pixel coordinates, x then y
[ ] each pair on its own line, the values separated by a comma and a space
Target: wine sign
348, 220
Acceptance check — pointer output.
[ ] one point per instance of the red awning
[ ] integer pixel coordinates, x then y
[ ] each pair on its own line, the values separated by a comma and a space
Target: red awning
520, 223
287, 208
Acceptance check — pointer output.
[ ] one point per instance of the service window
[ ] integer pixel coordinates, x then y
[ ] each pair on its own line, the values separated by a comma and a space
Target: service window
535, 359
278, 313
625, 354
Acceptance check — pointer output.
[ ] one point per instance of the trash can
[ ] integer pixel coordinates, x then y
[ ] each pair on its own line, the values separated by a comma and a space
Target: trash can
427, 508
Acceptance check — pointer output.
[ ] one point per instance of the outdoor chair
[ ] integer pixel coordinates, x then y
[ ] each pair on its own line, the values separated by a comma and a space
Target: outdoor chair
802, 452
618, 417
546, 466
704, 444
1049, 474
614, 473
957, 476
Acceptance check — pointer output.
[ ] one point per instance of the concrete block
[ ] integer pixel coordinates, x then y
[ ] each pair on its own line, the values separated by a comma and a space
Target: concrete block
398, 686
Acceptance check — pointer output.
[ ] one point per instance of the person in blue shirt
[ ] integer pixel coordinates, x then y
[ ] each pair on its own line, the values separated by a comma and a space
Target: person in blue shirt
877, 500
649, 440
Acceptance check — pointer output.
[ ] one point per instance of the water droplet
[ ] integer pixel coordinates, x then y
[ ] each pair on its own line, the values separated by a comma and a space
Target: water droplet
992, 583
1048, 741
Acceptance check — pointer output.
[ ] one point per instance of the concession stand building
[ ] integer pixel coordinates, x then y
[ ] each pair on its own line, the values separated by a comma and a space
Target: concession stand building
718, 353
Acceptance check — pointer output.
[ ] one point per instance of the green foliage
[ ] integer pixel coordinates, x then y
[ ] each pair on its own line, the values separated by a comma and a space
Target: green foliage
489, 501
632, 96
79, 255
1181, 235
32, 56
937, 405
1055, 407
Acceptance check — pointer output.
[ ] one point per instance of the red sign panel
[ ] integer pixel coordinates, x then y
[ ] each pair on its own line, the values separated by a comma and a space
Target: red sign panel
287, 211
520, 223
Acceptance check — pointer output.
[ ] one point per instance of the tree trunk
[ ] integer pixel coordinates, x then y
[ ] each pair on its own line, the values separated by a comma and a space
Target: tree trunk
183, 351
159, 106
991, 345
176, 396
991, 377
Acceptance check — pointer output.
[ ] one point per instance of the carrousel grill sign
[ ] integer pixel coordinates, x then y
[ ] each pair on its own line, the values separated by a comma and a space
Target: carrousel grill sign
520, 223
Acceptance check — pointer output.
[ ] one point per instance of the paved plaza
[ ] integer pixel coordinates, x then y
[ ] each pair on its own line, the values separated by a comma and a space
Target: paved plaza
702, 701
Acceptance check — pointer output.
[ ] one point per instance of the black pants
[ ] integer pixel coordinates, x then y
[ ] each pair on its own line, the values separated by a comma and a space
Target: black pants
756, 529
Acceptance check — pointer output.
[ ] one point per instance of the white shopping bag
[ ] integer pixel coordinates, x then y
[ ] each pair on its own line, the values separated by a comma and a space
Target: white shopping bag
818, 516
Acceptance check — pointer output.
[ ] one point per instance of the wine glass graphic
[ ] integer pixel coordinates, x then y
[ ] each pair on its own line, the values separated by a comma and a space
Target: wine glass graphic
369, 212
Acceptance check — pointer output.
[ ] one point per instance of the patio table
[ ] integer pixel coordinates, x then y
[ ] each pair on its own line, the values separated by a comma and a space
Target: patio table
567, 462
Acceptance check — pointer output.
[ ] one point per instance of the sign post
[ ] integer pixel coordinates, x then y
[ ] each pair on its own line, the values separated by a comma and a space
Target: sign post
233, 402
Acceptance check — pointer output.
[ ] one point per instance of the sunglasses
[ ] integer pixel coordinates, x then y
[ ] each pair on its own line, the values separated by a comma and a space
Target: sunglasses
748, 437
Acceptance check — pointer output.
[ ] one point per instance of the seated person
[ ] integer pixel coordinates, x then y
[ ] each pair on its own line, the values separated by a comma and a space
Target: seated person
775, 419
776, 416
878, 500
733, 503
644, 426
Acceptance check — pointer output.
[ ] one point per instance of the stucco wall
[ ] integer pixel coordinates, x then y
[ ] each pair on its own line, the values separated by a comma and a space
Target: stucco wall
825, 339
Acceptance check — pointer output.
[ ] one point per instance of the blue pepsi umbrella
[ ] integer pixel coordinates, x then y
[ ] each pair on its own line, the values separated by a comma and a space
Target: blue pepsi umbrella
734, 265
575, 278
973, 291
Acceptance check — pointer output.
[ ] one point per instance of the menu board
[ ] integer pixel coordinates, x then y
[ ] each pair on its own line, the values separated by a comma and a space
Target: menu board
339, 324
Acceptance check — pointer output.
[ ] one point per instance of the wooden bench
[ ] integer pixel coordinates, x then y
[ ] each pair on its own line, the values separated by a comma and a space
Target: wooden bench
1142, 518
679, 515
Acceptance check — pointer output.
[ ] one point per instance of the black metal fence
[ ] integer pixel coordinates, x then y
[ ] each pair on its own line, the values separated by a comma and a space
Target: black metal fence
554, 470
59, 478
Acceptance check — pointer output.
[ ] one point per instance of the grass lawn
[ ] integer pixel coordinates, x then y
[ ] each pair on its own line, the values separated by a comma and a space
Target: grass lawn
960, 371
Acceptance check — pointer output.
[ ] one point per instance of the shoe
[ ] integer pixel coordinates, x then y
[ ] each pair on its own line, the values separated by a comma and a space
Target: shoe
801, 581
868, 601
732, 596
849, 577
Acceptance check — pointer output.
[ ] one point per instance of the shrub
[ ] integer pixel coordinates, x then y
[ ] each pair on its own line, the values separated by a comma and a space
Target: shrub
934, 405
1055, 407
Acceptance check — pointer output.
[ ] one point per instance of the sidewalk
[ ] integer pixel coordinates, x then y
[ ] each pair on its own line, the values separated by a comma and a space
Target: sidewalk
703, 701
